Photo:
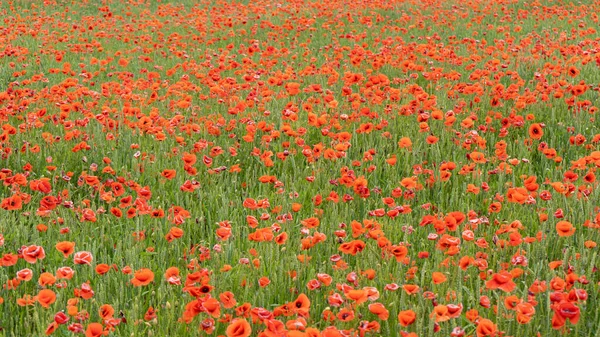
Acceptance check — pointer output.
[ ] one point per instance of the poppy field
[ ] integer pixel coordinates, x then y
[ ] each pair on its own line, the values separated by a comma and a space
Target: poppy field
285, 168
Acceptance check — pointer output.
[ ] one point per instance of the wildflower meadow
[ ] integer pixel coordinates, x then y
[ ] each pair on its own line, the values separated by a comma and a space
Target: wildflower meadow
299, 168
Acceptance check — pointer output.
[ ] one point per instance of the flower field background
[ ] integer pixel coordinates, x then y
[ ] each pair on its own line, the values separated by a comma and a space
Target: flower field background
299, 168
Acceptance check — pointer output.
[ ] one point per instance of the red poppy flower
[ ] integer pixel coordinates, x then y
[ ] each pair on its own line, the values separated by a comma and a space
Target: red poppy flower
142, 277
502, 280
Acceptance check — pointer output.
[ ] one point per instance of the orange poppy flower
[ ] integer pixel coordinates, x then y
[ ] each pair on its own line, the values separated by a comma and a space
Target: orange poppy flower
565, 228
83, 258
95, 330
310, 222
352, 247
106, 311
438, 277
142, 277
301, 305
174, 233
51, 328
32, 253
66, 248
212, 307
9, 260
239, 327
405, 143
486, 327
477, 157
168, 174
379, 310
264, 281
410, 183
525, 312
46, 297
227, 300
407, 317
189, 158
65, 273
357, 295
411, 289
535, 131
102, 269
172, 276
399, 252
331, 331
565, 311
26, 300
25, 274
325, 279
431, 139
502, 280
46, 279
12, 203
441, 313
573, 71
369, 274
